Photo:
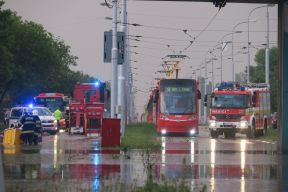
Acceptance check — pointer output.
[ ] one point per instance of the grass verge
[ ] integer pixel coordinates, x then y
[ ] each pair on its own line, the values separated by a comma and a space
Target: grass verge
140, 136
272, 135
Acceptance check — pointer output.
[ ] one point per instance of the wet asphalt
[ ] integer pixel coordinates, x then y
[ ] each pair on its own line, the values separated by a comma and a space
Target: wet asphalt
78, 163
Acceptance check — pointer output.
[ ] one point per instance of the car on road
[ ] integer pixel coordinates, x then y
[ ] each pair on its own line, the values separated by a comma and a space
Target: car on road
48, 121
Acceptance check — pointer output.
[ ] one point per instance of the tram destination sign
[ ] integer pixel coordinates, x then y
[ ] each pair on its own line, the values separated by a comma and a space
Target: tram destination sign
177, 89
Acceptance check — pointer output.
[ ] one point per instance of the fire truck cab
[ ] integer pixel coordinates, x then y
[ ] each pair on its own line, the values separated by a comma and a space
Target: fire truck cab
241, 109
86, 108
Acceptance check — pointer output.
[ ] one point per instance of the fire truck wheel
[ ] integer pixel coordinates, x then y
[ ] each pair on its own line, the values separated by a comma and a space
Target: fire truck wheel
229, 135
251, 134
214, 134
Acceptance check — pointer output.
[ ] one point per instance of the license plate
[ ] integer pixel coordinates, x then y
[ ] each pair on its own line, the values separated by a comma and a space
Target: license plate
228, 124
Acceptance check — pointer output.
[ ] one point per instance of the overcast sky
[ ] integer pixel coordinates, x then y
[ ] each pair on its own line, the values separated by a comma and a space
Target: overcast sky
81, 23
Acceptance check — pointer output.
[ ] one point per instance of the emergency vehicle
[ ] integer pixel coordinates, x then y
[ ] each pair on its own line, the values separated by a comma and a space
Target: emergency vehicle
86, 108
236, 108
52, 101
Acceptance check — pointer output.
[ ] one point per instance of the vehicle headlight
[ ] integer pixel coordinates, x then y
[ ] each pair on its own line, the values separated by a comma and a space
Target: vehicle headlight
243, 124
192, 132
55, 121
163, 131
212, 123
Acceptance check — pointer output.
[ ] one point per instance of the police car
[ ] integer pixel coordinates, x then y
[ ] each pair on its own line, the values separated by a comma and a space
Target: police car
48, 121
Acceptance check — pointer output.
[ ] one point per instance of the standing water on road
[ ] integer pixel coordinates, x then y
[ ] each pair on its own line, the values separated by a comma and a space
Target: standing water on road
77, 163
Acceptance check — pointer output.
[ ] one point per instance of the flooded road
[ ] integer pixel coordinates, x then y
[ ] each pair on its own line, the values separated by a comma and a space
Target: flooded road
77, 163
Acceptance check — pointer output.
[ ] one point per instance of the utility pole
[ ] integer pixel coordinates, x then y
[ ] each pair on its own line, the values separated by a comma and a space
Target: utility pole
233, 31
205, 92
122, 75
267, 56
114, 61
267, 46
212, 73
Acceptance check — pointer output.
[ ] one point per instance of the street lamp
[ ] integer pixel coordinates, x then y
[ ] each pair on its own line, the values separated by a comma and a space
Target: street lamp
222, 49
267, 46
233, 31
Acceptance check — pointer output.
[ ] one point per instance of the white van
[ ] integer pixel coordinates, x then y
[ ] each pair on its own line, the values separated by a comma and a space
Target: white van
48, 121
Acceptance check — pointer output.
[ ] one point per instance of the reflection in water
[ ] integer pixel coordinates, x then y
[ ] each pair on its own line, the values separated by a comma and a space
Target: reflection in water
213, 149
163, 139
192, 158
96, 162
55, 142
171, 149
208, 165
192, 149
243, 152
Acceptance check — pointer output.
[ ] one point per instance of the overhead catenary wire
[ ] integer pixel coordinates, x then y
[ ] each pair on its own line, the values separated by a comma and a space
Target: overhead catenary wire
201, 32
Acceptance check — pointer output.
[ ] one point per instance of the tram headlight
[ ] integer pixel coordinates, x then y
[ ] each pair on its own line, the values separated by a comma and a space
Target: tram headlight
192, 132
212, 123
243, 124
163, 131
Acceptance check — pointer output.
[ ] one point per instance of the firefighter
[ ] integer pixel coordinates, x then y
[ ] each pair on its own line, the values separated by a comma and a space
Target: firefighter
28, 127
38, 127
58, 117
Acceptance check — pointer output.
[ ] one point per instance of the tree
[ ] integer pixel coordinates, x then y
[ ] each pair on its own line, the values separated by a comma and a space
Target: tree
257, 73
32, 60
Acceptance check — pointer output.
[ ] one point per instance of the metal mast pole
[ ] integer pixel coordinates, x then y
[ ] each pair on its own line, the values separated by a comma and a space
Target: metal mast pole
114, 61
122, 74
221, 62
212, 73
232, 58
248, 49
249, 43
267, 56
205, 91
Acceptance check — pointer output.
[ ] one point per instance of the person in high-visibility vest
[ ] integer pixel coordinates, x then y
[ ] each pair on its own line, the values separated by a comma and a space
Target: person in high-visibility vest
58, 117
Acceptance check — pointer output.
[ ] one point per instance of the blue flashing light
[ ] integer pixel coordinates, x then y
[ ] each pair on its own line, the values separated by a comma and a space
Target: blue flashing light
30, 105
97, 83
227, 85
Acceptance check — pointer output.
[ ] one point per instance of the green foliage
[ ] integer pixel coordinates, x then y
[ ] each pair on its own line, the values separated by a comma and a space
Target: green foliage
140, 136
32, 60
272, 135
257, 73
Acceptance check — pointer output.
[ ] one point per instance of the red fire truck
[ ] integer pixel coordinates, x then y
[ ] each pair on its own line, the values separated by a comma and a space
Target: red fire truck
176, 108
239, 109
51, 101
86, 109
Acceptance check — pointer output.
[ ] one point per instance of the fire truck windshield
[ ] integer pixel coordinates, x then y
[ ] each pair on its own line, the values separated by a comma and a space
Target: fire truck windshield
229, 101
178, 97
51, 103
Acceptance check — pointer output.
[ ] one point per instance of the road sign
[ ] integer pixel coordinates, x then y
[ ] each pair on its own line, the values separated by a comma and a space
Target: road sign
108, 46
